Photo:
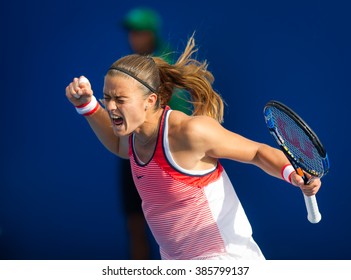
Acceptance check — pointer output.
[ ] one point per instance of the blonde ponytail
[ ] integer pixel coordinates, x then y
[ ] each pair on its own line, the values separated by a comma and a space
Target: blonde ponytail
190, 74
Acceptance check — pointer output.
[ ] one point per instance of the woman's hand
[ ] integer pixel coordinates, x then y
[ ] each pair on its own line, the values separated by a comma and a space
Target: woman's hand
79, 91
311, 188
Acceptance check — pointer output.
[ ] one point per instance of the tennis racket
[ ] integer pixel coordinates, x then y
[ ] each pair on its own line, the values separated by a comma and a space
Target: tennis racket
300, 145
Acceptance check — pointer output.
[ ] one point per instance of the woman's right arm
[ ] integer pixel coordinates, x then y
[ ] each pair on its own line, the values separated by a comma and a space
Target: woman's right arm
101, 125
99, 120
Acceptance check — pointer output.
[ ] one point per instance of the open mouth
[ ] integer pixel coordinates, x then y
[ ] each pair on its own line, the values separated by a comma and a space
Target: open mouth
116, 120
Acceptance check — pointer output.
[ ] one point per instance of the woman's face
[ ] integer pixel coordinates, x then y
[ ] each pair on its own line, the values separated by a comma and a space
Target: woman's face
125, 103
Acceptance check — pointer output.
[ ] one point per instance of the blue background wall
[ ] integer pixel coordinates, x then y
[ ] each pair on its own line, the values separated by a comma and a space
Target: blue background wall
59, 197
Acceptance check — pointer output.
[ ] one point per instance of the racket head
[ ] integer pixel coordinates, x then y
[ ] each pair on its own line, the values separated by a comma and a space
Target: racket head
296, 139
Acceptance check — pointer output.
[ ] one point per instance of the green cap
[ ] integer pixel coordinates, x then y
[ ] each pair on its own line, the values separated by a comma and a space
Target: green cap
142, 19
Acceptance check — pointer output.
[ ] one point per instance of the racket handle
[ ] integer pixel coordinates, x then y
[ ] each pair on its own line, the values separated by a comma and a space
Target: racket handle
313, 214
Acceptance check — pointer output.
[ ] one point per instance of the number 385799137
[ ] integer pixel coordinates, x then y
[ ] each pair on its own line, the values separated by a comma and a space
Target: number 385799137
221, 270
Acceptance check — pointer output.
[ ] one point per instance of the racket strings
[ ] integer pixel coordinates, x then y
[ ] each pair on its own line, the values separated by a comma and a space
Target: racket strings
296, 143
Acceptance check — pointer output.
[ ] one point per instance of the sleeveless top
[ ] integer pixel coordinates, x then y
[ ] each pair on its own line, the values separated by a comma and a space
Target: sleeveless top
192, 214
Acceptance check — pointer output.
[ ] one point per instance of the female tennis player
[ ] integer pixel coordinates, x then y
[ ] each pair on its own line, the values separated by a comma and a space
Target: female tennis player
187, 198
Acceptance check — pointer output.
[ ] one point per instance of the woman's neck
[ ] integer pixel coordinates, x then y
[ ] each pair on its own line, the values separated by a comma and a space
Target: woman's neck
147, 134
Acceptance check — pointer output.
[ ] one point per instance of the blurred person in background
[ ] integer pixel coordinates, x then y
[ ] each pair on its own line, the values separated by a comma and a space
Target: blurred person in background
143, 27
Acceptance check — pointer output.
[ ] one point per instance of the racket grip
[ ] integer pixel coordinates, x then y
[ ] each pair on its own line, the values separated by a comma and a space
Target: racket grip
313, 214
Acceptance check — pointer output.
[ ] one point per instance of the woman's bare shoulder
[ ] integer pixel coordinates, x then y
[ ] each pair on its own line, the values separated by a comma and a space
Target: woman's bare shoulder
184, 127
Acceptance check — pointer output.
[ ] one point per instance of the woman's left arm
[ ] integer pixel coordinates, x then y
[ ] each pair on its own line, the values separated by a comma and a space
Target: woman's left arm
222, 143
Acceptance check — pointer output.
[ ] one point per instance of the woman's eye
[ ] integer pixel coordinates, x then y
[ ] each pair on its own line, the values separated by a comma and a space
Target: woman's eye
106, 99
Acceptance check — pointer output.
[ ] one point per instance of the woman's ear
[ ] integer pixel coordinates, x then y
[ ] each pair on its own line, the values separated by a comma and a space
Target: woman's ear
151, 101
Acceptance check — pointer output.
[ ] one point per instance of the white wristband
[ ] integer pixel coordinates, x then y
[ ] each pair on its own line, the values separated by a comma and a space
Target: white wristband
88, 108
287, 170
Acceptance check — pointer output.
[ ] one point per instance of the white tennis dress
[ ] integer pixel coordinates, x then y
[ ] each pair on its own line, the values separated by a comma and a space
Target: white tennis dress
192, 214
